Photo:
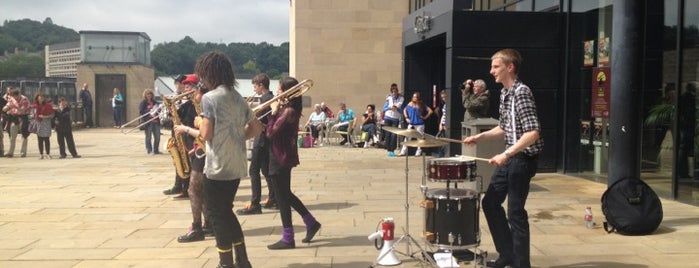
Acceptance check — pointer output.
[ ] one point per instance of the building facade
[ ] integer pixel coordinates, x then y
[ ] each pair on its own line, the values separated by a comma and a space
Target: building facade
110, 60
351, 49
61, 60
569, 50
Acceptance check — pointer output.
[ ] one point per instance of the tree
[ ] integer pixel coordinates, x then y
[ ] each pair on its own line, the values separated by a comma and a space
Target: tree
23, 66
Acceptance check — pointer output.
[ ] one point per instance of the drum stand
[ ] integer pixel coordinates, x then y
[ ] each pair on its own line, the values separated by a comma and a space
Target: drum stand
407, 238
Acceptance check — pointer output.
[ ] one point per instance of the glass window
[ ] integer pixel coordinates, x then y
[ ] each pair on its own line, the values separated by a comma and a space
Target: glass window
688, 146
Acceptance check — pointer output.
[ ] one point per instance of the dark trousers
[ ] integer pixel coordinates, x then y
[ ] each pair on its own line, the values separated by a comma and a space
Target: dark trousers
285, 198
510, 232
44, 141
219, 204
260, 162
63, 137
391, 138
87, 112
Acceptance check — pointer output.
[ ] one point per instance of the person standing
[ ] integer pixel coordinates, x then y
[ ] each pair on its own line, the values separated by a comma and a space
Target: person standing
416, 112
86, 99
181, 185
259, 161
392, 110
475, 99
442, 121
64, 129
43, 114
519, 125
195, 188
150, 107
117, 107
17, 109
3, 122
226, 122
282, 130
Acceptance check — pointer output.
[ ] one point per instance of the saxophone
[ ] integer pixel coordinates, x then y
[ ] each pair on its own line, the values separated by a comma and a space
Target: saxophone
176, 145
199, 149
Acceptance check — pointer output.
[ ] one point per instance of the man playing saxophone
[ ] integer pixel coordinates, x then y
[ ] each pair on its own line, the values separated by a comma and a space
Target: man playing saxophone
199, 228
183, 113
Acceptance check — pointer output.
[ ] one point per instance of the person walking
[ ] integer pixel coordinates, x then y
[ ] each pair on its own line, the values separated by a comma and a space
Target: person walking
259, 161
520, 128
282, 130
226, 123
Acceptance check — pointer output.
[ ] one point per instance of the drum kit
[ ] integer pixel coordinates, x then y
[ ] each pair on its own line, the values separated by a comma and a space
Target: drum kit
451, 213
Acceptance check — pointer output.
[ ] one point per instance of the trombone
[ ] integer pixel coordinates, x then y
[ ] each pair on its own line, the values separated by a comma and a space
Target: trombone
284, 98
155, 112
158, 111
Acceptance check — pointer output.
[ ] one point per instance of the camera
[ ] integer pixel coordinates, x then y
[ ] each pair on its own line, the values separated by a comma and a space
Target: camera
463, 85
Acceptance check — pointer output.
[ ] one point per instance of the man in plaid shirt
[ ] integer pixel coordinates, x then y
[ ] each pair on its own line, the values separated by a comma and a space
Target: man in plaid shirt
520, 128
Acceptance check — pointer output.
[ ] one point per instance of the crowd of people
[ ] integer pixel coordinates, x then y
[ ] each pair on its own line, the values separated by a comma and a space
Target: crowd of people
20, 116
213, 123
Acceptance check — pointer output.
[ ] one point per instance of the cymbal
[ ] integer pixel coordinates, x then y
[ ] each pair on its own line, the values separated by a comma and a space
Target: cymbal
411, 133
425, 143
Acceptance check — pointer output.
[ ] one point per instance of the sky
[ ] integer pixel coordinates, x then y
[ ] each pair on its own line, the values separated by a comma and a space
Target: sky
216, 21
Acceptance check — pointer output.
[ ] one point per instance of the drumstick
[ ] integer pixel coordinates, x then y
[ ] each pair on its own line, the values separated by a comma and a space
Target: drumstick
476, 158
450, 140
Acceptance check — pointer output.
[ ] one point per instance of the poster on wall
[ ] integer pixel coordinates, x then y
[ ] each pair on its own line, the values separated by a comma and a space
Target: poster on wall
589, 53
603, 52
599, 100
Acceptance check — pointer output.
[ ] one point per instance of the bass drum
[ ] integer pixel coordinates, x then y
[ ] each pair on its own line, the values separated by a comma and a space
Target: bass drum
451, 218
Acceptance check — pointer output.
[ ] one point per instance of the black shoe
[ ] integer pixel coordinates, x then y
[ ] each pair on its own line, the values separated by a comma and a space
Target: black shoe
282, 245
343, 142
311, 232
181, 196
208, 231
270, 205
77, 156
62, 157
499, 263
250, 210
173, 190
226, 266
191, 236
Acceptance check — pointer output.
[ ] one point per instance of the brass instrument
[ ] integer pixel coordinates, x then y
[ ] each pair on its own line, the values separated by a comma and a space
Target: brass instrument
199, 149
176, 145
156, 111
284, 98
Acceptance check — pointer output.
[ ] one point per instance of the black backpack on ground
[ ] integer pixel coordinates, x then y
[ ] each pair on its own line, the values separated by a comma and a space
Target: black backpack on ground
631, 207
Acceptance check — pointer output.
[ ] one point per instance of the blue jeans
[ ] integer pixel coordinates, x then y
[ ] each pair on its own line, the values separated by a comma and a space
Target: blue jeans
510, 232
153, 130
116, 113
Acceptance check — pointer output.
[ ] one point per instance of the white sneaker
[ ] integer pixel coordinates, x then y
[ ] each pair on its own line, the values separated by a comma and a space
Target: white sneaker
366, 144
418, 152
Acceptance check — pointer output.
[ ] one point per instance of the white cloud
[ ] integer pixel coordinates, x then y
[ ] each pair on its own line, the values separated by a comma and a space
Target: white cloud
218, 21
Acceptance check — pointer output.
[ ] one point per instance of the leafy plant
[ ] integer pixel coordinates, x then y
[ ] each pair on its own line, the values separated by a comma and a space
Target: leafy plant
660, 115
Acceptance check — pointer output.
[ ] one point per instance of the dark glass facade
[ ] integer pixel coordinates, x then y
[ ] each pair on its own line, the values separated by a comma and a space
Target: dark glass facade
563, 66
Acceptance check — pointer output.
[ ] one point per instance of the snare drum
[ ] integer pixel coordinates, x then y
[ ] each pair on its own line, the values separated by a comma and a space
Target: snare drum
453, 168
451, 218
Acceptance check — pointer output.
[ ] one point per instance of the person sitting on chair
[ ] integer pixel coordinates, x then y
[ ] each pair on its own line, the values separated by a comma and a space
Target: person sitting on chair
316, 122
369, 124
345, 117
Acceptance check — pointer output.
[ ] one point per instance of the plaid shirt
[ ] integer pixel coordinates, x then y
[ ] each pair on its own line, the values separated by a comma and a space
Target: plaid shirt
525, 116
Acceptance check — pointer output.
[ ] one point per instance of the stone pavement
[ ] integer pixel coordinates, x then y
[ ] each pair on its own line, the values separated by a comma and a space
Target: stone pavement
107, 210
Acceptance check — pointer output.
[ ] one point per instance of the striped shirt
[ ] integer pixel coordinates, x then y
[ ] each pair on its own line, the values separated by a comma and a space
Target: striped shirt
524, 115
